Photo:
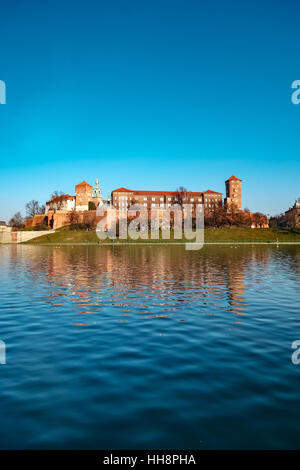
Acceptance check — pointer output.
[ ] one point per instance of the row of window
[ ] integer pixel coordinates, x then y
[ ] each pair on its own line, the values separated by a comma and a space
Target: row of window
124, 198
124, 205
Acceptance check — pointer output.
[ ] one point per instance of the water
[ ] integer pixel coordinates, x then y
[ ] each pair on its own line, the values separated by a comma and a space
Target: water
149, 347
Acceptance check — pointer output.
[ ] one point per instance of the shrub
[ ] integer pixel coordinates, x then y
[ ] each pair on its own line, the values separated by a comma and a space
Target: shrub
92, 206
76, 227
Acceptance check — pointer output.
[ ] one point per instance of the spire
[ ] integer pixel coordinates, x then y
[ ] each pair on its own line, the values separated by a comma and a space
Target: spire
97, 189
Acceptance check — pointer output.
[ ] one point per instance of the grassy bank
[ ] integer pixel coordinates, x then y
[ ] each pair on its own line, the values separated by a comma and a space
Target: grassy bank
222, 235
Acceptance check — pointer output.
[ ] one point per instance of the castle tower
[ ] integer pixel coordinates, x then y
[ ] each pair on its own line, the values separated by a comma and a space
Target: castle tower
97, 194
233, 192
83, 196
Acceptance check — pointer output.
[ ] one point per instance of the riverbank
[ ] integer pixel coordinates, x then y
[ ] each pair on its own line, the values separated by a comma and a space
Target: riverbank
211, 236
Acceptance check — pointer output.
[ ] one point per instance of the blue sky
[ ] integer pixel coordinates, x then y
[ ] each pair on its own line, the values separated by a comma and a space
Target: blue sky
149, 95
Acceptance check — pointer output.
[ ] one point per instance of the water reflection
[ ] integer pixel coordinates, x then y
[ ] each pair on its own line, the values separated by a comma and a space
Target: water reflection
149, 347
150, 282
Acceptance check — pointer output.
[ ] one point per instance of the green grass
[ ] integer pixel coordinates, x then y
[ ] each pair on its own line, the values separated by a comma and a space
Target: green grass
221, 235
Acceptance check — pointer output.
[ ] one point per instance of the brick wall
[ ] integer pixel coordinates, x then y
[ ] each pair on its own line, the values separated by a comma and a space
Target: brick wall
39, 219
28, 222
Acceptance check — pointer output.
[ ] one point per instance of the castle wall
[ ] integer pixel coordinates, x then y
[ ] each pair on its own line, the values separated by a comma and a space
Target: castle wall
28, 222
40, 219
20, 237
62, 218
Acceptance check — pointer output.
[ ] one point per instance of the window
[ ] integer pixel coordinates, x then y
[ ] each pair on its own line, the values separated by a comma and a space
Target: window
169, 199
161, 198
192, 200
153, 199
145, 199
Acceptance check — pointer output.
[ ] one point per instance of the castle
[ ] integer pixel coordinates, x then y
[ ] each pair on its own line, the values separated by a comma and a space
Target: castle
292, 215
88, 197
85, 194
81, 208
290, 218
123, 198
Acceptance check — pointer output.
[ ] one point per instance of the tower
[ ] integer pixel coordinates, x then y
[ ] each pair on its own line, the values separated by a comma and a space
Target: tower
97, 194
233, 192
83, 196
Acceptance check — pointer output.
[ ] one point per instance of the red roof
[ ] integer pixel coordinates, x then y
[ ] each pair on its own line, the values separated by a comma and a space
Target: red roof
122, 190
83, 183
154, 193
60, 198
209, 191
233, 178
162, 193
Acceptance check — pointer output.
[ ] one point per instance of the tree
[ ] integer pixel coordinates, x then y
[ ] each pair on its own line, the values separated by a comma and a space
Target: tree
278, 220
259, 219
73, 217
182, 195
59, 200
227, 216
58, 193
33, 208
92, 206
16, 221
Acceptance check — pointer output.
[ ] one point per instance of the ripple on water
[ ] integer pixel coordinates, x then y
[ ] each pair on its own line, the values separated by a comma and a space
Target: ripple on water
132, 347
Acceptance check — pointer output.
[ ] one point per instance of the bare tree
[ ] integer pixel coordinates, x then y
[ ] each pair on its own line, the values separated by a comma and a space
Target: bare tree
73, 217
17, 220
277, 221
259, 219
58, 193
182, 195
229, 216
33, 208
59, 200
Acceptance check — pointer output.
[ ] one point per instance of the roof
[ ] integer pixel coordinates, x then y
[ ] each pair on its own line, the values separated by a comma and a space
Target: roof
162, 193
64, 197
122, 190
233, 178
154, 193
83, 183
209, 191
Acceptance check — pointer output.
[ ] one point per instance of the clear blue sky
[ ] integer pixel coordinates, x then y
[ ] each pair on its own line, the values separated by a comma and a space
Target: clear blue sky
149, 95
